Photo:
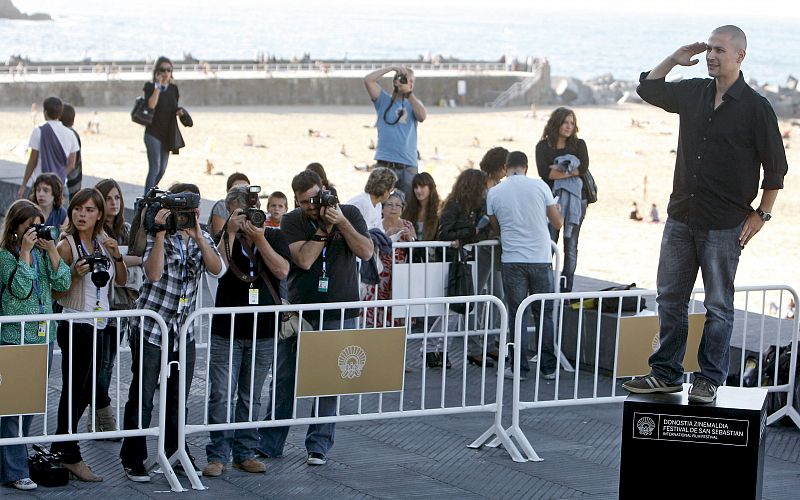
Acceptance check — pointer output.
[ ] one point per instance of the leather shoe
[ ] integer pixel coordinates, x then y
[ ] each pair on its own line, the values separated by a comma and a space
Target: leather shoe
82, 472
433, 360
493, 354
478, 361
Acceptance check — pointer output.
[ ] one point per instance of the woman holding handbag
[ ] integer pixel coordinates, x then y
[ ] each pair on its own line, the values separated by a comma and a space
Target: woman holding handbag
162, 136
560, 139
30, 270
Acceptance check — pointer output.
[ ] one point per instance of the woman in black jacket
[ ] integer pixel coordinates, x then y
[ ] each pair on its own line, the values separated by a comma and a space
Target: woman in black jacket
162, 135
459, 223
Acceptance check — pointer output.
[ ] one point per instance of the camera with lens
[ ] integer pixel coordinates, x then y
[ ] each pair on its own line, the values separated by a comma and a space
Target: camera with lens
252, 213
401, 78
181, 208
325, 199
43, 232
98, 267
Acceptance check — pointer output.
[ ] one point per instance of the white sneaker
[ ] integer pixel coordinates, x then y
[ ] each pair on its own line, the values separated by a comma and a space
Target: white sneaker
24, 484
549, 376
535, 358
509, 374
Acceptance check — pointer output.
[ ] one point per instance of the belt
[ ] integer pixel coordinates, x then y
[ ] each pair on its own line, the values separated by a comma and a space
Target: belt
394, 165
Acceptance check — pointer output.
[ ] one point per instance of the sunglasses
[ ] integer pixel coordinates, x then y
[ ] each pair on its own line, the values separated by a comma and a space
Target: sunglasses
165, 70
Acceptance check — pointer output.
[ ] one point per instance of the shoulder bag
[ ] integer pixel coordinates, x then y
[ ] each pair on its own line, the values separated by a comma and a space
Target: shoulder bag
459, 282
141, 113
590, 187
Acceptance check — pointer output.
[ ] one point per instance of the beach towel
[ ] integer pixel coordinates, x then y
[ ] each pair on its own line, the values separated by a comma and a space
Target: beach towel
51, 153
569, 193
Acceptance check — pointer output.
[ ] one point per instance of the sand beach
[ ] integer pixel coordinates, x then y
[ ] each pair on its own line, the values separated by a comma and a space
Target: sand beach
631, 150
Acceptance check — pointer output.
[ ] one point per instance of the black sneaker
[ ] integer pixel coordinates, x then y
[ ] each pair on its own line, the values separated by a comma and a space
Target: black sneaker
702, 391
315, 458
137, 473
650, 384
179, 466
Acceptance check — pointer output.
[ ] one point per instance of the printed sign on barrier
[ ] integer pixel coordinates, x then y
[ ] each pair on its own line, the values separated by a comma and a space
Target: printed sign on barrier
638, 339
336, 362
23, 379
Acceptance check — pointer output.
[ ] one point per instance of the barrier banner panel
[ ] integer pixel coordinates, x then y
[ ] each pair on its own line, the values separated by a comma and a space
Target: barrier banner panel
638, 339
335, 362
23, 379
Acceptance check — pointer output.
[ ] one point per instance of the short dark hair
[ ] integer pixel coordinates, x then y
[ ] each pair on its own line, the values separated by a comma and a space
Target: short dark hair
234, 177
53, 107
305, 180
184, 187
494, 160
516, 159
56, 186
67, 115
277, 195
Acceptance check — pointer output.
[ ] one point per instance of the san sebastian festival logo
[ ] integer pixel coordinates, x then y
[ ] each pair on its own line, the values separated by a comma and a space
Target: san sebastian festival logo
352, 360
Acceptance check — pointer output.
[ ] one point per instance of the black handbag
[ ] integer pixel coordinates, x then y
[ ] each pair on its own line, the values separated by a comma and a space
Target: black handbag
590, 187
141, 113
459, 282
45, 468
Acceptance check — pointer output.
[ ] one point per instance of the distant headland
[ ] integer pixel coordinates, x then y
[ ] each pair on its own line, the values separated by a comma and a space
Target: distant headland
9, 11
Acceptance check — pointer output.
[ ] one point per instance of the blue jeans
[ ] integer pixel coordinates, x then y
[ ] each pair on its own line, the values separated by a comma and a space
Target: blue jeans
243, 442
319, 437
404, 178
157, 158
519, 281
683, 251
570, 250
106, 355
14, 458
134, 449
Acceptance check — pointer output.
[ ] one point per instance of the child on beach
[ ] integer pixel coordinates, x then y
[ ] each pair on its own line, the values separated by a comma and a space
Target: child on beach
277, 205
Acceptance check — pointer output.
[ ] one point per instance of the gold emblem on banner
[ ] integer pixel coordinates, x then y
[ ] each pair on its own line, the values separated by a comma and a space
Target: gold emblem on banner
337, 362
23, 390
638, 339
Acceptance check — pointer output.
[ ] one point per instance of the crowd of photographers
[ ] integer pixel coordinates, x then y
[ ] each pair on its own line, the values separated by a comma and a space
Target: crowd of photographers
85, 258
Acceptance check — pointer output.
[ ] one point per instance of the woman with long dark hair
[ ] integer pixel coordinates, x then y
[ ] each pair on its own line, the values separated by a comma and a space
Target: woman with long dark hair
30, 270
422, 209
84, 238
560, 143
162, 136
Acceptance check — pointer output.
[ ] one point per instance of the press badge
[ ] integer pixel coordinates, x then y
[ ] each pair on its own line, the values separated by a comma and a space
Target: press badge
253, 297
323, 285
42, 328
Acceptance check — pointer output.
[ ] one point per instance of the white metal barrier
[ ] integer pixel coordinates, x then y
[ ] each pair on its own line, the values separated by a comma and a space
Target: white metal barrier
594, 385
435, 393
155, 429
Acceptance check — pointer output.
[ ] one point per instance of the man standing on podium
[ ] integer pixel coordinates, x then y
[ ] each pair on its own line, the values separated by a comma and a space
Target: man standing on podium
727, 133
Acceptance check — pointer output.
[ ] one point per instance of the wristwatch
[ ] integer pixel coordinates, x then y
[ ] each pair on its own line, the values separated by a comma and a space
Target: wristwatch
765, 216
317, 237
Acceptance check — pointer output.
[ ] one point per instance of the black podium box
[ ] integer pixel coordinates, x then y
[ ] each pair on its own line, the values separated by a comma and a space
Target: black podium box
671, 449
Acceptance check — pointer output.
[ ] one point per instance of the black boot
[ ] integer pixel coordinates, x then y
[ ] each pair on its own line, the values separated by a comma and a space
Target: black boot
433, 360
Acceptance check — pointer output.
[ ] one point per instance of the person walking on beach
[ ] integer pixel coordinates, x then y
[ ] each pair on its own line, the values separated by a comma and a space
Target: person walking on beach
74, 178
398, 115
727, 132
162, 135
53, 146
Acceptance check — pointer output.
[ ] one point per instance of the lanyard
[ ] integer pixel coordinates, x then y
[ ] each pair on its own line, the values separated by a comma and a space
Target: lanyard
36, 289
184, 256
250, 258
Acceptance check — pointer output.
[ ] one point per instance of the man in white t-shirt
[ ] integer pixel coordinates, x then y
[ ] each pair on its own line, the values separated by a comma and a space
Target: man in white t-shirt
54, 147
520, 208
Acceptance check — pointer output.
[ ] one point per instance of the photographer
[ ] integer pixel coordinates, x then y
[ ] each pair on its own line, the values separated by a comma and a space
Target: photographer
324, 240
30, 269
258, 258
174, 265
398, 115
95, 261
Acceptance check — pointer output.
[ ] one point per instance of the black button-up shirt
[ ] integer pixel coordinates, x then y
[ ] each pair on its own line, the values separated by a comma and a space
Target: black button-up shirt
719, 151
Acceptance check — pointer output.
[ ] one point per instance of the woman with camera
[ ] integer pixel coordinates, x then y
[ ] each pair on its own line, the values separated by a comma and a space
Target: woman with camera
30, 270
124, 298
95, 261
258, 259
560, 138
162, 135
48, 194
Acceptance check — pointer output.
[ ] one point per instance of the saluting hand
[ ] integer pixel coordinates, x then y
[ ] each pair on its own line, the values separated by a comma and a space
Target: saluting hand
683, 56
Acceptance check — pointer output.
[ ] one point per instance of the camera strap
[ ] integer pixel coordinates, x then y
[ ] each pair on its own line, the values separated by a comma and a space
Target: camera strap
184, 260
83, 252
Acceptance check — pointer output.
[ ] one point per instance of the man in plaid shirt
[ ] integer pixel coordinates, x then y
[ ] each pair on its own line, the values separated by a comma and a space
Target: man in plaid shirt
174, 265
